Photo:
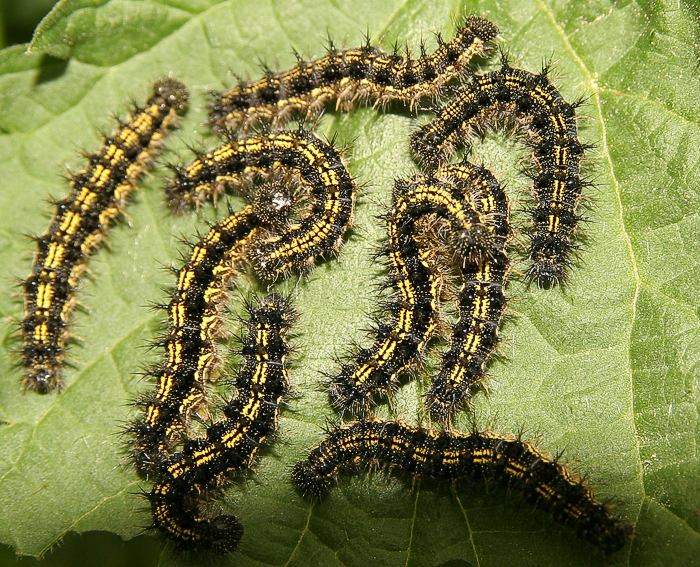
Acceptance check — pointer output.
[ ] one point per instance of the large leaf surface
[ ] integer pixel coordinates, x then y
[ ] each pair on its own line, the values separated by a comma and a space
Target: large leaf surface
605, 367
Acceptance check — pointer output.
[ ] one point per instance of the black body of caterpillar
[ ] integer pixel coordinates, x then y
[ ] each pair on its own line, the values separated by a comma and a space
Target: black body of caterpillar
550, 123
450, 455
251, 416
351, 77
99, 195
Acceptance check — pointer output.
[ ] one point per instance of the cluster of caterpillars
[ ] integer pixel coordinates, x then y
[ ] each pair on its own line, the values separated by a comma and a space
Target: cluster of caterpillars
452, 216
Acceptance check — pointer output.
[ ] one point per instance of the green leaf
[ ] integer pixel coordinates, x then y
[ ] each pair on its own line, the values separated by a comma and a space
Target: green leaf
605, 367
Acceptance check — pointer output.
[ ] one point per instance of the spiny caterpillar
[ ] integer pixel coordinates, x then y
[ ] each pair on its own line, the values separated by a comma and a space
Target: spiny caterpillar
194, 321
99, 194
184, 479
550, 123
319, 167
351, 77
450, 455
481, 296
413, 311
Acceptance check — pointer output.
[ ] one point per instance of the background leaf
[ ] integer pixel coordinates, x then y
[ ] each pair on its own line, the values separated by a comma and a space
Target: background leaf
606, 367
18, 19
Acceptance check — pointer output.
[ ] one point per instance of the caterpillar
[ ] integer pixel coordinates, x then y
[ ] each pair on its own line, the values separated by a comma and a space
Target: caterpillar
413, 312
481, 297
98, 196
550, 123
320, 168
351, 77
451, 455
250, 418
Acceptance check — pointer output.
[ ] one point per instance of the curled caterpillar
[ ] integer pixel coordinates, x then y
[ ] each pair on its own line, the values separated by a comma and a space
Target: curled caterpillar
481, 296
319, 167
412, 314
99, 194
351, 77
194, 321
250, 418
550, 123
444, 455
194, 310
